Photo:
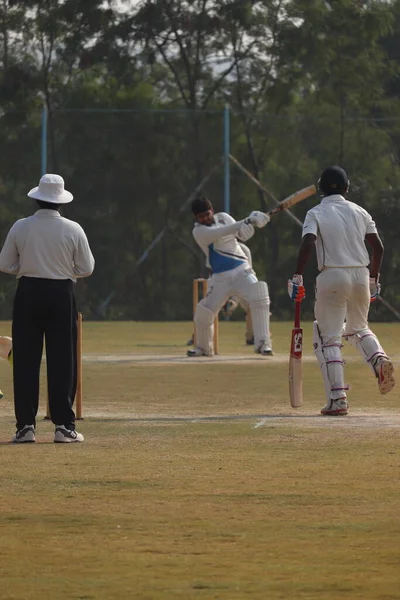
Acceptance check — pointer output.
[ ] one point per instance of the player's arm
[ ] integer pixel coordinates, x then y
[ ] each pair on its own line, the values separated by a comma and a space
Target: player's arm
208, 235
376, 245
257, 219
305, 251
9, 256
245, 232
296, 289
310, 230
377, 250
83, 257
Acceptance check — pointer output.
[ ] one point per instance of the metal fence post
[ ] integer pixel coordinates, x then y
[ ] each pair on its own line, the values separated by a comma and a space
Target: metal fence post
44, 141
227, 199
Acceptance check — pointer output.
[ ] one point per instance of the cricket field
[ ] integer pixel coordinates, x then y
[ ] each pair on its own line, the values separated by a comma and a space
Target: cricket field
197, 480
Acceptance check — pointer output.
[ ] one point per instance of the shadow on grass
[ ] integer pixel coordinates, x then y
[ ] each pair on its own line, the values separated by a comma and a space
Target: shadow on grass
29, 443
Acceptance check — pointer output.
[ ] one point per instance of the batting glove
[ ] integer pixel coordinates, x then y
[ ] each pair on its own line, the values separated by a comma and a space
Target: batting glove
374, 288
296, 289
259, 219
229, 307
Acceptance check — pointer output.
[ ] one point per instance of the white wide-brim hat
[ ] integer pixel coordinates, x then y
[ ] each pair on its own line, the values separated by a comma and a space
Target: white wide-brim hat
51, 189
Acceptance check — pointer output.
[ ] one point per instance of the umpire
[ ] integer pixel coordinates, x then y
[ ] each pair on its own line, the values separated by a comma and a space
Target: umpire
47, 253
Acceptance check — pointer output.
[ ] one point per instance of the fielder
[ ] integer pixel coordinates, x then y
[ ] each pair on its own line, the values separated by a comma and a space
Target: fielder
347, 283
217, 234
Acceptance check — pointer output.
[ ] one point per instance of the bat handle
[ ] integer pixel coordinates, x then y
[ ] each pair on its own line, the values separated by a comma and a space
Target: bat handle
297, 314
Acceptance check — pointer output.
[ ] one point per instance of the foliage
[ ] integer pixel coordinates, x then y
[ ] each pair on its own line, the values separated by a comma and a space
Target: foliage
135, 93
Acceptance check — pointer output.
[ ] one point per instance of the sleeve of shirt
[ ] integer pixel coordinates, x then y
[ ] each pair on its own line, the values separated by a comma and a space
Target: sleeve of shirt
207, 235
228, 219
9, 255
371, 227
83, 257
310, 224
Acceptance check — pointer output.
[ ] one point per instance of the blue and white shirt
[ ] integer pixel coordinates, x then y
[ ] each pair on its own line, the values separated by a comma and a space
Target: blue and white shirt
220, 244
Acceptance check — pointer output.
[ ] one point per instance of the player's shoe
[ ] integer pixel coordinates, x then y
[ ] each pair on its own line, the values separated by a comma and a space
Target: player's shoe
264, 349
196, 352
26, 435
384, 370
67, 436
336, 408
250, 341
1, 395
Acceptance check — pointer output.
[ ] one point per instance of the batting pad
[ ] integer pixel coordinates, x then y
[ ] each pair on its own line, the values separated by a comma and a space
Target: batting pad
331, 364
367, 345
258, 298
204, 323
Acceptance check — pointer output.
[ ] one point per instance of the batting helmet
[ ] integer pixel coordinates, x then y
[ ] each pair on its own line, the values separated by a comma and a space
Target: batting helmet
333, 180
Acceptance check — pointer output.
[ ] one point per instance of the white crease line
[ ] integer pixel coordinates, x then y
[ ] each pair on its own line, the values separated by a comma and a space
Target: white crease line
260, 423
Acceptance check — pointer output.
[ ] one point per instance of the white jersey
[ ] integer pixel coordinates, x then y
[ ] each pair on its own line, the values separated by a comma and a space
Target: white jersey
247, 252
340, 227
219, 243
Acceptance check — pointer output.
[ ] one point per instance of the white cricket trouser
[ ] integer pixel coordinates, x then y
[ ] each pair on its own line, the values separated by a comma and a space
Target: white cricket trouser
238, 282
343, 297
223, 285
342, 294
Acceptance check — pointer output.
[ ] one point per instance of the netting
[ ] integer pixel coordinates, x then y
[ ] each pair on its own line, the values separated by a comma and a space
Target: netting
133, 172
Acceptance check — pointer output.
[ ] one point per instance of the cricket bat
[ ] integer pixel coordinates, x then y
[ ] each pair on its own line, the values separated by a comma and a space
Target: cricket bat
293, 199
296, 352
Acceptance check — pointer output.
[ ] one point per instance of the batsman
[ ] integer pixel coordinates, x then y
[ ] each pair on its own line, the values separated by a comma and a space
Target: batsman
348, 281
219, 236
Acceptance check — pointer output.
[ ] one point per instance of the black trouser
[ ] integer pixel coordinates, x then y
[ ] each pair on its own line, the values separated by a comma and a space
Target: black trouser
44, 307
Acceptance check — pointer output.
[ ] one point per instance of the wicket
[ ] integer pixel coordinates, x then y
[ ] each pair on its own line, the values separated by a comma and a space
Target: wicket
79, 394
204, 284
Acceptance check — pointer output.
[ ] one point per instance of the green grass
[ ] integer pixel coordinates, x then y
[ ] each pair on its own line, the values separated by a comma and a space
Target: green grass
166, 499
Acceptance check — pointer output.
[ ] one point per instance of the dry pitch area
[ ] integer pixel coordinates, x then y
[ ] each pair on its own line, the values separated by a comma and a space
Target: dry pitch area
197, 481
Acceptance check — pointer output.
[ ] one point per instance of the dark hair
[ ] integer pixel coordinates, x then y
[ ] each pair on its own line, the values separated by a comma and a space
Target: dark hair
43, 204
334, 180
200, 205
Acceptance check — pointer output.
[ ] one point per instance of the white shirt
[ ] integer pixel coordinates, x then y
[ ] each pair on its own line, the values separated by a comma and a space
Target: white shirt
48, 246
219, 243
340, 227
247, 252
